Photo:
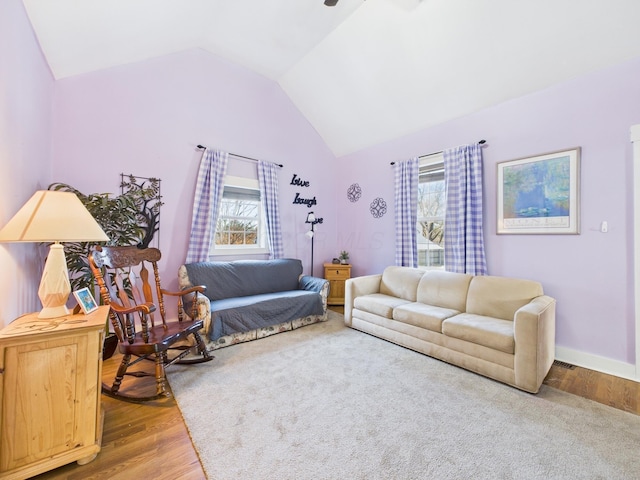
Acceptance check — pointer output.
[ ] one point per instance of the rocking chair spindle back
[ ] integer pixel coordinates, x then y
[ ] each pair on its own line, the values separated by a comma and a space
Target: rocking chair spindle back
123, 276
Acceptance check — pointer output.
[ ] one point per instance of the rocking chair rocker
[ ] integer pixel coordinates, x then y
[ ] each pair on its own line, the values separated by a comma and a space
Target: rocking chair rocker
123, 278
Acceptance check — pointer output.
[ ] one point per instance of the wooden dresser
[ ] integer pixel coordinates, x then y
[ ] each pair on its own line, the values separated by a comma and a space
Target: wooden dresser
337, 274
50, 386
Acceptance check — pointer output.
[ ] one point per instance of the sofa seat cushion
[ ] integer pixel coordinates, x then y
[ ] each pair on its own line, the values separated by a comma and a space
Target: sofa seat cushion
487, 331
423, 316
379, 304
242, 314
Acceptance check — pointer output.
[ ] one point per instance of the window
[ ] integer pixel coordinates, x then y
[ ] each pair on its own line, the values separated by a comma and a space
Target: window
239, 229
431, 209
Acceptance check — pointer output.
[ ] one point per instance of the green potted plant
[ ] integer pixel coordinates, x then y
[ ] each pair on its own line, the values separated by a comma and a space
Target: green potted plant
344, 257
130, 218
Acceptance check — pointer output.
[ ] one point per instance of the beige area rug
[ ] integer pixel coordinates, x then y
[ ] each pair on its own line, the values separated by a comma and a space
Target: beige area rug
329, 402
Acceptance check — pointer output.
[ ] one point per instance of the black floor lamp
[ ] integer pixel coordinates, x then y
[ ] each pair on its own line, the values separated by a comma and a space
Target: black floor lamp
311, 218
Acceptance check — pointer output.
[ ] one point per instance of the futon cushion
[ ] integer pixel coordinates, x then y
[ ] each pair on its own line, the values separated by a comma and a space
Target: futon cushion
378, 304
487, 331
423, 316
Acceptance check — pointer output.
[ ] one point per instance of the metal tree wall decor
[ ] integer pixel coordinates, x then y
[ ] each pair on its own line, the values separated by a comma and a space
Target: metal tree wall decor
146, 194
123, 218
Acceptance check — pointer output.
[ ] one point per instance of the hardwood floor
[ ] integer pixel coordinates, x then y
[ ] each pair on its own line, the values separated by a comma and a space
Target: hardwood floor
602, 388
139, 441
152, 441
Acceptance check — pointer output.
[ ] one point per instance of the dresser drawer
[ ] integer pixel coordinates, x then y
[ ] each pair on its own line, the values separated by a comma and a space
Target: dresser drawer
337, 273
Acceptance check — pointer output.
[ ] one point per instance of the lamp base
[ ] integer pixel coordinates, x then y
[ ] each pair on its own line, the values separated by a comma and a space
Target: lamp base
54, 312
54, 287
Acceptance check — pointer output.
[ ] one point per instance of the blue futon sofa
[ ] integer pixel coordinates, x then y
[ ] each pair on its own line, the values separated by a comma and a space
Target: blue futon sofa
251, 299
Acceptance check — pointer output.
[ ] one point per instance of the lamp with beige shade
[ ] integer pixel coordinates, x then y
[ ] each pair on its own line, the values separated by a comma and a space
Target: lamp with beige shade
53, 216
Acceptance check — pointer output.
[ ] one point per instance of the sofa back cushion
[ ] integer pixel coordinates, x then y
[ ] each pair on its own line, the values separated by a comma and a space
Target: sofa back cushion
401, 282
444, 289
241, 278
500, 297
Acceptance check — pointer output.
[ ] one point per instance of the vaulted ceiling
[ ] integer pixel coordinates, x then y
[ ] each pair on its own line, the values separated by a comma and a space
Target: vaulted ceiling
362, 72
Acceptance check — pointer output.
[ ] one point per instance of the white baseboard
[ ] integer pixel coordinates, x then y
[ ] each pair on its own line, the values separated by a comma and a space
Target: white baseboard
597, 363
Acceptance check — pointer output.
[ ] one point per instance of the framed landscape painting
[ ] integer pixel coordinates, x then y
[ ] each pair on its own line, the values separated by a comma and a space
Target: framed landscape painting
540, 195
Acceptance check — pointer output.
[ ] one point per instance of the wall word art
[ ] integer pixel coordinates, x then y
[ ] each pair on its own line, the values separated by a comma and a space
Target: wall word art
299, 182
309, 202
298, 200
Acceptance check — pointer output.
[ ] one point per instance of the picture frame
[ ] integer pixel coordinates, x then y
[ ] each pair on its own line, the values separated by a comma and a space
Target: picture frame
540, 194
85, 300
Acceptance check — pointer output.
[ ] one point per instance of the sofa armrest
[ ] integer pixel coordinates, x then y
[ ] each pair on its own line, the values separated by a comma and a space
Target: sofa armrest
311, 284
315, 284
535, 337
203, 307
356, 287
203, 304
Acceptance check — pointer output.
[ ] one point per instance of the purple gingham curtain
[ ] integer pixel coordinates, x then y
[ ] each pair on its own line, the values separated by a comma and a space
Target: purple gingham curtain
206, 203
406, 212
268, 177
463, 239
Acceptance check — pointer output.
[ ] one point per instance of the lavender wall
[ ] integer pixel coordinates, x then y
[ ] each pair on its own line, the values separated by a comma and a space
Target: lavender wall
26, 98
590, 274
147, 118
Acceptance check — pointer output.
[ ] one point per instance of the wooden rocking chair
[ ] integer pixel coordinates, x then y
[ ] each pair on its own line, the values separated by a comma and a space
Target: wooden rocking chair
123, 278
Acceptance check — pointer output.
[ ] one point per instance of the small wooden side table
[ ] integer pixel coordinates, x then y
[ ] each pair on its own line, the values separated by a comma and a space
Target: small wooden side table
50, 405
337, 274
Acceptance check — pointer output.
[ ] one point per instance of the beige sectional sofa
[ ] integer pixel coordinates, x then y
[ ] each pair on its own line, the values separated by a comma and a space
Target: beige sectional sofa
502, 328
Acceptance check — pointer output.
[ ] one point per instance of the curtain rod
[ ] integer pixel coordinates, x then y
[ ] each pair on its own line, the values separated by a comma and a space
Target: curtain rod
480, 142
202, 147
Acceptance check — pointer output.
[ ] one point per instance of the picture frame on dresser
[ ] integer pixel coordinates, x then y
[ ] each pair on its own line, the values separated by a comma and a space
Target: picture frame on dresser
540, 194
85, 300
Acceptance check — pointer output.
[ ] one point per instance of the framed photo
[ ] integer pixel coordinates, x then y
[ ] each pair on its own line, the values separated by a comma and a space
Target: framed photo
85, 300
540, 195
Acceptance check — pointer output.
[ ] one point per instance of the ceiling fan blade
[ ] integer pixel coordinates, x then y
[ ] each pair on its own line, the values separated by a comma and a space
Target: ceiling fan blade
330, 3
